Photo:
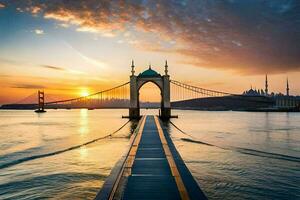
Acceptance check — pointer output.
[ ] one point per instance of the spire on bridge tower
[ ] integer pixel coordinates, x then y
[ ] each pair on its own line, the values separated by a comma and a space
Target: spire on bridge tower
166, 68
287, 87
132, 68
266, 85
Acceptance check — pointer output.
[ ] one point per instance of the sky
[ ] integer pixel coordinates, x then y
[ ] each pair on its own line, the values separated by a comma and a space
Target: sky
69, 48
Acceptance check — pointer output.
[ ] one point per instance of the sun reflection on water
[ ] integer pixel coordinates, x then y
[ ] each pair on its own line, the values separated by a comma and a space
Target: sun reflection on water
83, 152
84, 122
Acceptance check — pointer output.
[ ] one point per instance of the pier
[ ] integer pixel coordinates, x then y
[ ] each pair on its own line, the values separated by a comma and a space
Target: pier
151, 169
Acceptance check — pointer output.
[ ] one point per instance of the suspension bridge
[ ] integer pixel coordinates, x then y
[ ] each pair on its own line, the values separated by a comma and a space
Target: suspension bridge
119, 96
174, 94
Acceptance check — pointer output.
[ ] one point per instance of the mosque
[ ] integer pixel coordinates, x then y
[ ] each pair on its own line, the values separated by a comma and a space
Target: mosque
281, 101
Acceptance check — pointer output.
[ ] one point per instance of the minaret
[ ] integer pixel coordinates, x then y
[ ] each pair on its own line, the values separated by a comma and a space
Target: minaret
166, 68
132, 68
287, 87
266, 86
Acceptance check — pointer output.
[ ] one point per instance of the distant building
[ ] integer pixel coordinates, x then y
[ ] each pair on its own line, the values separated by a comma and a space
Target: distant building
254, 92
281, 101
266, 85
287, 87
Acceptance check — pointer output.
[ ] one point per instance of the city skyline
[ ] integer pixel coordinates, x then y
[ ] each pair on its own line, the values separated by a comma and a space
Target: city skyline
72, 49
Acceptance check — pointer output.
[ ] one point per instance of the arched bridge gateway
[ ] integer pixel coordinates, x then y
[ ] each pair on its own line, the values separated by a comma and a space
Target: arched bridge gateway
161, 81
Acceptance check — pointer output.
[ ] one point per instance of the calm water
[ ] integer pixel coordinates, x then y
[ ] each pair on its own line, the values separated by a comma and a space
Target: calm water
233, 155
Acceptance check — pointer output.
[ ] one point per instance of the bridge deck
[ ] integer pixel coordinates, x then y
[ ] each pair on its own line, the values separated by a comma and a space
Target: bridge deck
153, 169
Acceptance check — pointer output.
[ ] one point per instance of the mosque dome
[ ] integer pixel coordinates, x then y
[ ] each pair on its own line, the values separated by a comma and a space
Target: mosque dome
149, 73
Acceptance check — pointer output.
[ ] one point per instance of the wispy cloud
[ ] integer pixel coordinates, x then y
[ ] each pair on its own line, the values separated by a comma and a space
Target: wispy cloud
44, 66
35, 9
89, 60
92, 61
64, 25
28, 86
53, 67
63, 69
75, 71
39, 31
9, 61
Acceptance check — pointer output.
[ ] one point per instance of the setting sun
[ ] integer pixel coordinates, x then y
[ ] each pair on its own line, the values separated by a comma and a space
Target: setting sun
84, 93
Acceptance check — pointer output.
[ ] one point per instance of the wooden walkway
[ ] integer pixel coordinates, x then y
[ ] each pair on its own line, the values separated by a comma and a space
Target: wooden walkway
152, 169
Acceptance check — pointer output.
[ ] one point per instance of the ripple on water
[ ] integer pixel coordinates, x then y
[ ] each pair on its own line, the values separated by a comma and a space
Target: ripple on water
52, 185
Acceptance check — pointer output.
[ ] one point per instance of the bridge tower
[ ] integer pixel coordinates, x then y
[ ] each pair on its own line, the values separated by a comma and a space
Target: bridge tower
41, 102
161, 81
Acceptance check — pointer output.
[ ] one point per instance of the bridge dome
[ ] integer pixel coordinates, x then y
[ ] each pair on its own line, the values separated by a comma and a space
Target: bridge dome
149, 73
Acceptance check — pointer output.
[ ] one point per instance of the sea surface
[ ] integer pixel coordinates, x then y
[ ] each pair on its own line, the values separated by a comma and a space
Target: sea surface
67, 154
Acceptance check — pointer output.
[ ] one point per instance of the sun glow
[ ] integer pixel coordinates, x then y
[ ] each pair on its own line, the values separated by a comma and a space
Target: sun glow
84, 93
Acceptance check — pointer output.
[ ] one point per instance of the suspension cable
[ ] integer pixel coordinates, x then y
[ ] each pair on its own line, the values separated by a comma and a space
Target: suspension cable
214, 93
83, 97
203, 91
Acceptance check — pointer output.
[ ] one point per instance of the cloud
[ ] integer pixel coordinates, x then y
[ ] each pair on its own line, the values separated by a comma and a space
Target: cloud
35, 9
87, 59
9, 61
249, 36
64, 25
28, 86
39, 31
53, 67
